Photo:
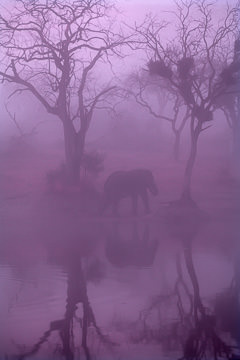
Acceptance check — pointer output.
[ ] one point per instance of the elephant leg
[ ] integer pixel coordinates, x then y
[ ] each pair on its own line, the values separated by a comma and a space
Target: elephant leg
144, 196
134, 204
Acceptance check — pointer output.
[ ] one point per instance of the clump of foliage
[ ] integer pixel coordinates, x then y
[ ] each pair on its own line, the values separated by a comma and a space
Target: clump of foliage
184, 67
92, 164
228, 74
202, 114
160, 68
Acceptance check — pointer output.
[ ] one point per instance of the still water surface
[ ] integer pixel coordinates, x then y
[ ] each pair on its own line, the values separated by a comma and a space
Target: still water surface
128, 289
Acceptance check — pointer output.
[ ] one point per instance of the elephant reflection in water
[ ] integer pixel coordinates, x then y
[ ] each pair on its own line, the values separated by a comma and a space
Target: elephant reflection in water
227, 304
132, 250
76, 294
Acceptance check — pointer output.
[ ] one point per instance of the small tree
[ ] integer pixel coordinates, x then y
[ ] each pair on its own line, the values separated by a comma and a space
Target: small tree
51, 49
192, 64
142, 87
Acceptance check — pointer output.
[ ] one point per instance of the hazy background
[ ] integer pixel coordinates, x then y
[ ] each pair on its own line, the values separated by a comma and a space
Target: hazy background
60, 262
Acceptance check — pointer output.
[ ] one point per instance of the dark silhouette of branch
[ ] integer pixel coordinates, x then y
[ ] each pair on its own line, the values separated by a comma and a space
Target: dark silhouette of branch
199, 64
53, 50
23, 134
142, 87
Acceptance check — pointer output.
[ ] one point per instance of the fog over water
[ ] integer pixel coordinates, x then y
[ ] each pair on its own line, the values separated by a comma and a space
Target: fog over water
119, 180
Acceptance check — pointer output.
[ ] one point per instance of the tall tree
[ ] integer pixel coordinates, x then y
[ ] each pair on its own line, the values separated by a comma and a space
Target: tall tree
194, 63
52, 49
230, 104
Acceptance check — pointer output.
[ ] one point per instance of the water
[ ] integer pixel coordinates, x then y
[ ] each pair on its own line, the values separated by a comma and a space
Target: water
129, 289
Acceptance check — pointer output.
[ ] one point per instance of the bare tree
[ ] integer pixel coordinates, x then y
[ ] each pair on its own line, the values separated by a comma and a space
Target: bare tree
142, 87
195, 326
194, 62
230, 105
51, 49
76, 294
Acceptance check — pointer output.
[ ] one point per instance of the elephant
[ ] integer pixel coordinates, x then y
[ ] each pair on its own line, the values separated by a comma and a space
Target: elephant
124, 184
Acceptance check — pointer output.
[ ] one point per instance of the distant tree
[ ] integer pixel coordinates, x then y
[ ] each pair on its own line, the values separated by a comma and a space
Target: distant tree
23, 134
195, 63
52, 48
230, 105
143, 87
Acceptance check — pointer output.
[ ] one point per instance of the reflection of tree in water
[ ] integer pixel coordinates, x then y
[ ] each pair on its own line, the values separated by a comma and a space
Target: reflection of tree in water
202, 339
227, 305
132, 248
76, 294
196, 325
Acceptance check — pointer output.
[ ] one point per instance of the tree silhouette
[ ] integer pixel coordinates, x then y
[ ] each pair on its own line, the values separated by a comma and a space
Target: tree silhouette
230, 105
51, 49
76, 294
195, 327
198, 63
142, 87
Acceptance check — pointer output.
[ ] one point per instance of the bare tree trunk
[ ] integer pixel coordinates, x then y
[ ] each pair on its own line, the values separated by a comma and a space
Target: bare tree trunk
176, 150
70, 155
177, 132
74, 148
232, 113
198, 306
186, 193
236, 142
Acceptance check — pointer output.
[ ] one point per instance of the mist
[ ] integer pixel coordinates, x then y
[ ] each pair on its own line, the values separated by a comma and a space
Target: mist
119, 180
